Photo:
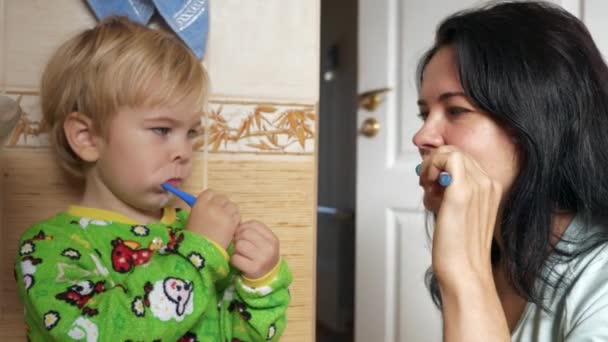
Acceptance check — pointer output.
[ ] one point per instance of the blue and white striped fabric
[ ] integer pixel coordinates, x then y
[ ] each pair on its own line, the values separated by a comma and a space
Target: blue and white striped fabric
189, 19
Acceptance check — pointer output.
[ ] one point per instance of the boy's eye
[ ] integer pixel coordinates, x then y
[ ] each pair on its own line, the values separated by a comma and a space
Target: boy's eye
194, 133
160, 130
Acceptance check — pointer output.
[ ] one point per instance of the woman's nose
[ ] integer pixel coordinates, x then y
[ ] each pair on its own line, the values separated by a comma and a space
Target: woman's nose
430, 135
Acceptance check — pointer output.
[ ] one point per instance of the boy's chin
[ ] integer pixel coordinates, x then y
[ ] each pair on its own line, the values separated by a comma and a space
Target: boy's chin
154, 202
162, 200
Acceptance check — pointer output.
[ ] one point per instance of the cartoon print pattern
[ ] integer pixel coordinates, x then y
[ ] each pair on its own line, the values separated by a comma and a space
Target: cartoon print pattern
170, 298
28, 260
79, 294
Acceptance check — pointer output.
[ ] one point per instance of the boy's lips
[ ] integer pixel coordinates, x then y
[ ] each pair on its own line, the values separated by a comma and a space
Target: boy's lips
174, 182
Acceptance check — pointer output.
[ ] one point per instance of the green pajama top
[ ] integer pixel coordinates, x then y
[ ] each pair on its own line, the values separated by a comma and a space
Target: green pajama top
95, 275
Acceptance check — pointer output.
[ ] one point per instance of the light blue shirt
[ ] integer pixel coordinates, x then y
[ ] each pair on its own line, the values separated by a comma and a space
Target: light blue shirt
578, 310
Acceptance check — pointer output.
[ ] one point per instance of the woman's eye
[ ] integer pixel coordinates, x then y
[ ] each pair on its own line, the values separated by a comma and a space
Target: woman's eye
161, 130
423, 115
456, 110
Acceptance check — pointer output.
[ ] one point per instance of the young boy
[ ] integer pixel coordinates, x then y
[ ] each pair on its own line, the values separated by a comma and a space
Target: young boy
124, 105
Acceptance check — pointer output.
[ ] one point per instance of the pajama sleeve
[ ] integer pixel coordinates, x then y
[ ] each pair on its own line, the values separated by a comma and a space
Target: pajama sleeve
248, 310
255, 310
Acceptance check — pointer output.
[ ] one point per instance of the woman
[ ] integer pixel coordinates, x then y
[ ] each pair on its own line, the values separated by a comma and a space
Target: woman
514, 102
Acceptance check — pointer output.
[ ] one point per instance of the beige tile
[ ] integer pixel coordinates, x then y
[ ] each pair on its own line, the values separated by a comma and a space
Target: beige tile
264, 49
34, 28
257, 49
2, 46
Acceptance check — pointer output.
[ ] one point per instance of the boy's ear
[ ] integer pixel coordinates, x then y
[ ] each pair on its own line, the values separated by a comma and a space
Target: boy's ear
80, 134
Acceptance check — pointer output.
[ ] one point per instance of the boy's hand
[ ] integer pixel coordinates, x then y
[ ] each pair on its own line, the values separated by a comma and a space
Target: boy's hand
215, 217
256, 249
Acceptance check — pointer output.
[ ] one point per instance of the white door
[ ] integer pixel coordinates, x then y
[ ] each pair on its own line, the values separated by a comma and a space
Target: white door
392, 249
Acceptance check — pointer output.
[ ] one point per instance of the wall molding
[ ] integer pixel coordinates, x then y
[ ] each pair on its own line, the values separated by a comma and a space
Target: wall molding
230, 126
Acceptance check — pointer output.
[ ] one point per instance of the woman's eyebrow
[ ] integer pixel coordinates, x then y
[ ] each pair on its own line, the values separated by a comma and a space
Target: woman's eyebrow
442, 97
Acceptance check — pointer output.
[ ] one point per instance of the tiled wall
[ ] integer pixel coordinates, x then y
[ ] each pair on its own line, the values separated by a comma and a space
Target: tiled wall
260, 132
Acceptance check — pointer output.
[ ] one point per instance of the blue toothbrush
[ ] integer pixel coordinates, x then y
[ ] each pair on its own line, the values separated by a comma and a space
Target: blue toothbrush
186, 197
444, 178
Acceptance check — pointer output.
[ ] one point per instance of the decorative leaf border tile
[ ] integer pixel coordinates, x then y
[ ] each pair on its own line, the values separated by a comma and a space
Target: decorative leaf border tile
258, 127
233, 127
29, 131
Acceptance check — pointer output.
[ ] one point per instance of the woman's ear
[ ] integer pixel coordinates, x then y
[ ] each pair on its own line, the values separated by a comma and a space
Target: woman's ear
80, 134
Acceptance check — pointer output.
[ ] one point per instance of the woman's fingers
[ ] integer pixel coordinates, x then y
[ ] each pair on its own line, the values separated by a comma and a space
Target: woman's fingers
466, 211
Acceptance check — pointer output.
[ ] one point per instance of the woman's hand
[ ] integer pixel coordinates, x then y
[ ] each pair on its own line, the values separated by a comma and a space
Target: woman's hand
466, 213
466, 216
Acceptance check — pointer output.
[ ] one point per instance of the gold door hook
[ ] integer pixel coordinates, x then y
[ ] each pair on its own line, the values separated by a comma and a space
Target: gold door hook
371, 99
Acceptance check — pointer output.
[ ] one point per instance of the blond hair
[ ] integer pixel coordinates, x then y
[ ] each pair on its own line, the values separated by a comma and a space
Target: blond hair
116, 64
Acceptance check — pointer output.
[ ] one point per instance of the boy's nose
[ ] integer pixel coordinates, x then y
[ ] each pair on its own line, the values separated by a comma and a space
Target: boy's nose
429, 136
183, 151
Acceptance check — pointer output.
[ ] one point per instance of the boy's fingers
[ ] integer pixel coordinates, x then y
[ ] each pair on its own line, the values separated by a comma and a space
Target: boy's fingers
251, 235
241, 262
243, 227
231, 208
220, 200
236, 218
245, 248
258, 227
246, 224
205, 196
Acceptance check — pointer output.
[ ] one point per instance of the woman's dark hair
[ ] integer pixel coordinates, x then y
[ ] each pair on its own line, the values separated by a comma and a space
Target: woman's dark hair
535, 69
